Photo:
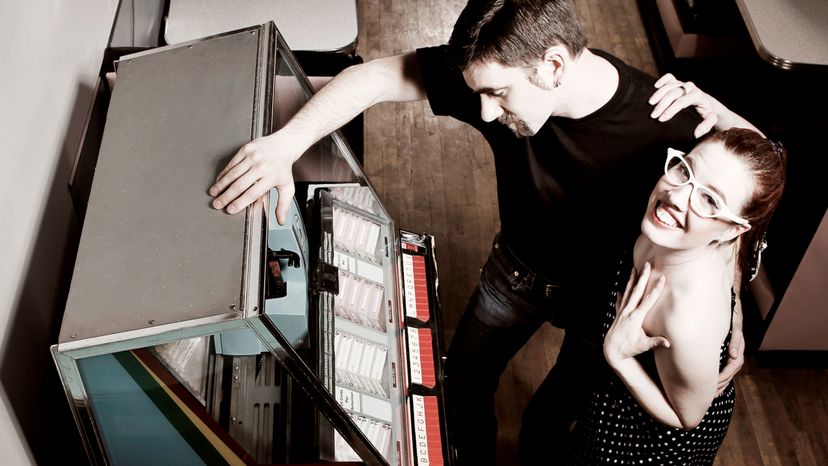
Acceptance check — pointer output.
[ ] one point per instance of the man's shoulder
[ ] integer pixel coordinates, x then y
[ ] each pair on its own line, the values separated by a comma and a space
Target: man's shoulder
637, 88
433, 58
445, 87
432, 49
639, 76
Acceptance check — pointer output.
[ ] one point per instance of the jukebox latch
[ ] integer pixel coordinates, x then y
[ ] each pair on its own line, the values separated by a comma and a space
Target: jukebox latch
326, 278
277, 286
283, 254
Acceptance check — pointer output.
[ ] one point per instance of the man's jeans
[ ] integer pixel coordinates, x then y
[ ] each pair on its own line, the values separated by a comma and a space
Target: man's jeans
507, 307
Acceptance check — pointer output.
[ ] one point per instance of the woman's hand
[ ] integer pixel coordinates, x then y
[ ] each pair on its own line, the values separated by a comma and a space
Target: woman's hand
673, 96
626, 337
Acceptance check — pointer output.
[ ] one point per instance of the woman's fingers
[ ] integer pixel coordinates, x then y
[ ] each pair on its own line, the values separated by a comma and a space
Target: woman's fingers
638, 289
658, 342
636, 301
652, 297
622, 300
667, 78
706, 125
675, 101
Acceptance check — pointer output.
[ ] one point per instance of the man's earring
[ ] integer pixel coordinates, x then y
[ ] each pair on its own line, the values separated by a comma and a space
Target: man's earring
556, 83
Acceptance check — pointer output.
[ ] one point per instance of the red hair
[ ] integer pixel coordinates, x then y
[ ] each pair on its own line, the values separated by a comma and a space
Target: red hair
765, 160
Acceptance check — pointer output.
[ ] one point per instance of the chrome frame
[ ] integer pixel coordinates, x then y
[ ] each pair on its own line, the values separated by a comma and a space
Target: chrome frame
337, 416
281, 348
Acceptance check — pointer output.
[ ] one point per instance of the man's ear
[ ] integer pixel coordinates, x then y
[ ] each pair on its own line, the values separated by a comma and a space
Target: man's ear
554, 61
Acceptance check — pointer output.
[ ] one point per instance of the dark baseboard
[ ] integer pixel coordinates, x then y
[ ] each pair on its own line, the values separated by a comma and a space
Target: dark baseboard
799, 359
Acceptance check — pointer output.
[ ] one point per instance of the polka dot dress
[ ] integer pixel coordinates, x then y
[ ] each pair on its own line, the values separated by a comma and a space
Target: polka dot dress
616, 430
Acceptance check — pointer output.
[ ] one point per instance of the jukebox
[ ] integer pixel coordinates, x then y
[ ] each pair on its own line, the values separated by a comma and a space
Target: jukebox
195, 337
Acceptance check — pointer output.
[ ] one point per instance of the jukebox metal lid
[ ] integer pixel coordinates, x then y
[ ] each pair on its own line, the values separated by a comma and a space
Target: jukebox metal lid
153, 253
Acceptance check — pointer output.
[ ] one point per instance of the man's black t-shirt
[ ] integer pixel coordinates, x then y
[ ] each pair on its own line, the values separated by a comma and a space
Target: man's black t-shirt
573, 195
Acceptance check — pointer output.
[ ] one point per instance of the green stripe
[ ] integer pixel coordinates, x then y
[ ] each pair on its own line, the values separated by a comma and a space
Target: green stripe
189, 432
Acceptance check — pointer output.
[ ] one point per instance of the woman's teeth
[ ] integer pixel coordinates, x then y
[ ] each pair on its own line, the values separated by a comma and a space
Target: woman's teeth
665, 217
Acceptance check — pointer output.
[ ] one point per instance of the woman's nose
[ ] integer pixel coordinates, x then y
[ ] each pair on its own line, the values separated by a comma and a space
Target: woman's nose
490, 110
679, 196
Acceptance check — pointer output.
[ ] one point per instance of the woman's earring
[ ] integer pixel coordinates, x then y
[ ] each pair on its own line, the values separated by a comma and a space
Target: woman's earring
761, 245
556, 83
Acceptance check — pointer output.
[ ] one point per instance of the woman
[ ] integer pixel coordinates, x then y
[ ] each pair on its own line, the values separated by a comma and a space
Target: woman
666, 337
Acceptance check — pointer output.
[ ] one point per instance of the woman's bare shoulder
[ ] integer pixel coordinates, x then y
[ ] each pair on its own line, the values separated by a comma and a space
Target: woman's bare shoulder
695, 317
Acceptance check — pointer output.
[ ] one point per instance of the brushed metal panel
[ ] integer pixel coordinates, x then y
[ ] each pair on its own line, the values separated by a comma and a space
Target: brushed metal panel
318, 25
153, 251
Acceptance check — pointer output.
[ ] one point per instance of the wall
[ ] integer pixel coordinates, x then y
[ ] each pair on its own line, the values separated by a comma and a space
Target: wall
800, 322
51, 53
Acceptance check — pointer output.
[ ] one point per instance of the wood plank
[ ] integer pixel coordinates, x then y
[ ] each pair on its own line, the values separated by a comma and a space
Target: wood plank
761, 422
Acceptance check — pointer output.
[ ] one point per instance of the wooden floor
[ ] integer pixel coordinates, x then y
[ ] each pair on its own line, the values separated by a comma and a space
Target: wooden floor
436, 175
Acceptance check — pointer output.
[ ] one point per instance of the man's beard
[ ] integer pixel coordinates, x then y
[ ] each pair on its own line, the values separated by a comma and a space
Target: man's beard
518, 126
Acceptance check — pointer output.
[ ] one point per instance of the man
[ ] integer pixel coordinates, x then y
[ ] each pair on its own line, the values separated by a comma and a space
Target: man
576, 153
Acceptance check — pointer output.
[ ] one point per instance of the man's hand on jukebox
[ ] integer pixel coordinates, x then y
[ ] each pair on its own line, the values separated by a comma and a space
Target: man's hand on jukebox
261, 164
267, 162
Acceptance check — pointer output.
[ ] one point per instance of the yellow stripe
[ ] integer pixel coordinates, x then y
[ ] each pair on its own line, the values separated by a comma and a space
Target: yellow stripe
226, 452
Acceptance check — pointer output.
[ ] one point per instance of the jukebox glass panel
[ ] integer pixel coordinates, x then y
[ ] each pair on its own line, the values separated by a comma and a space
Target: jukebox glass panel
188, 403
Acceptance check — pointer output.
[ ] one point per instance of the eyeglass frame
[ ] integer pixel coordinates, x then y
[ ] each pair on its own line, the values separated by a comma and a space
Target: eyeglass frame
724, 210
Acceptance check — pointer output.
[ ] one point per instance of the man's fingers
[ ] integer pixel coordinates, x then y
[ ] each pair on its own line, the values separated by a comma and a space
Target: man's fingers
283, 206
237, 158
254, 192
260, 203
736, 349
728, 371
229, 176
234, 191
735, 360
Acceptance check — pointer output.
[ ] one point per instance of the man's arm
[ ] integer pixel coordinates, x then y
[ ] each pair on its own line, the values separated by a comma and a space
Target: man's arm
736, 349
267, 162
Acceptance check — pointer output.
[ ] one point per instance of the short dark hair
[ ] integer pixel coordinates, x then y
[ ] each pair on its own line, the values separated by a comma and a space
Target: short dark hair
513, 32
765, 161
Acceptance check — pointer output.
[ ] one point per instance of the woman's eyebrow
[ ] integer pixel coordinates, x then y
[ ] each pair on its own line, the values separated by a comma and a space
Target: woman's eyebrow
716, 190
